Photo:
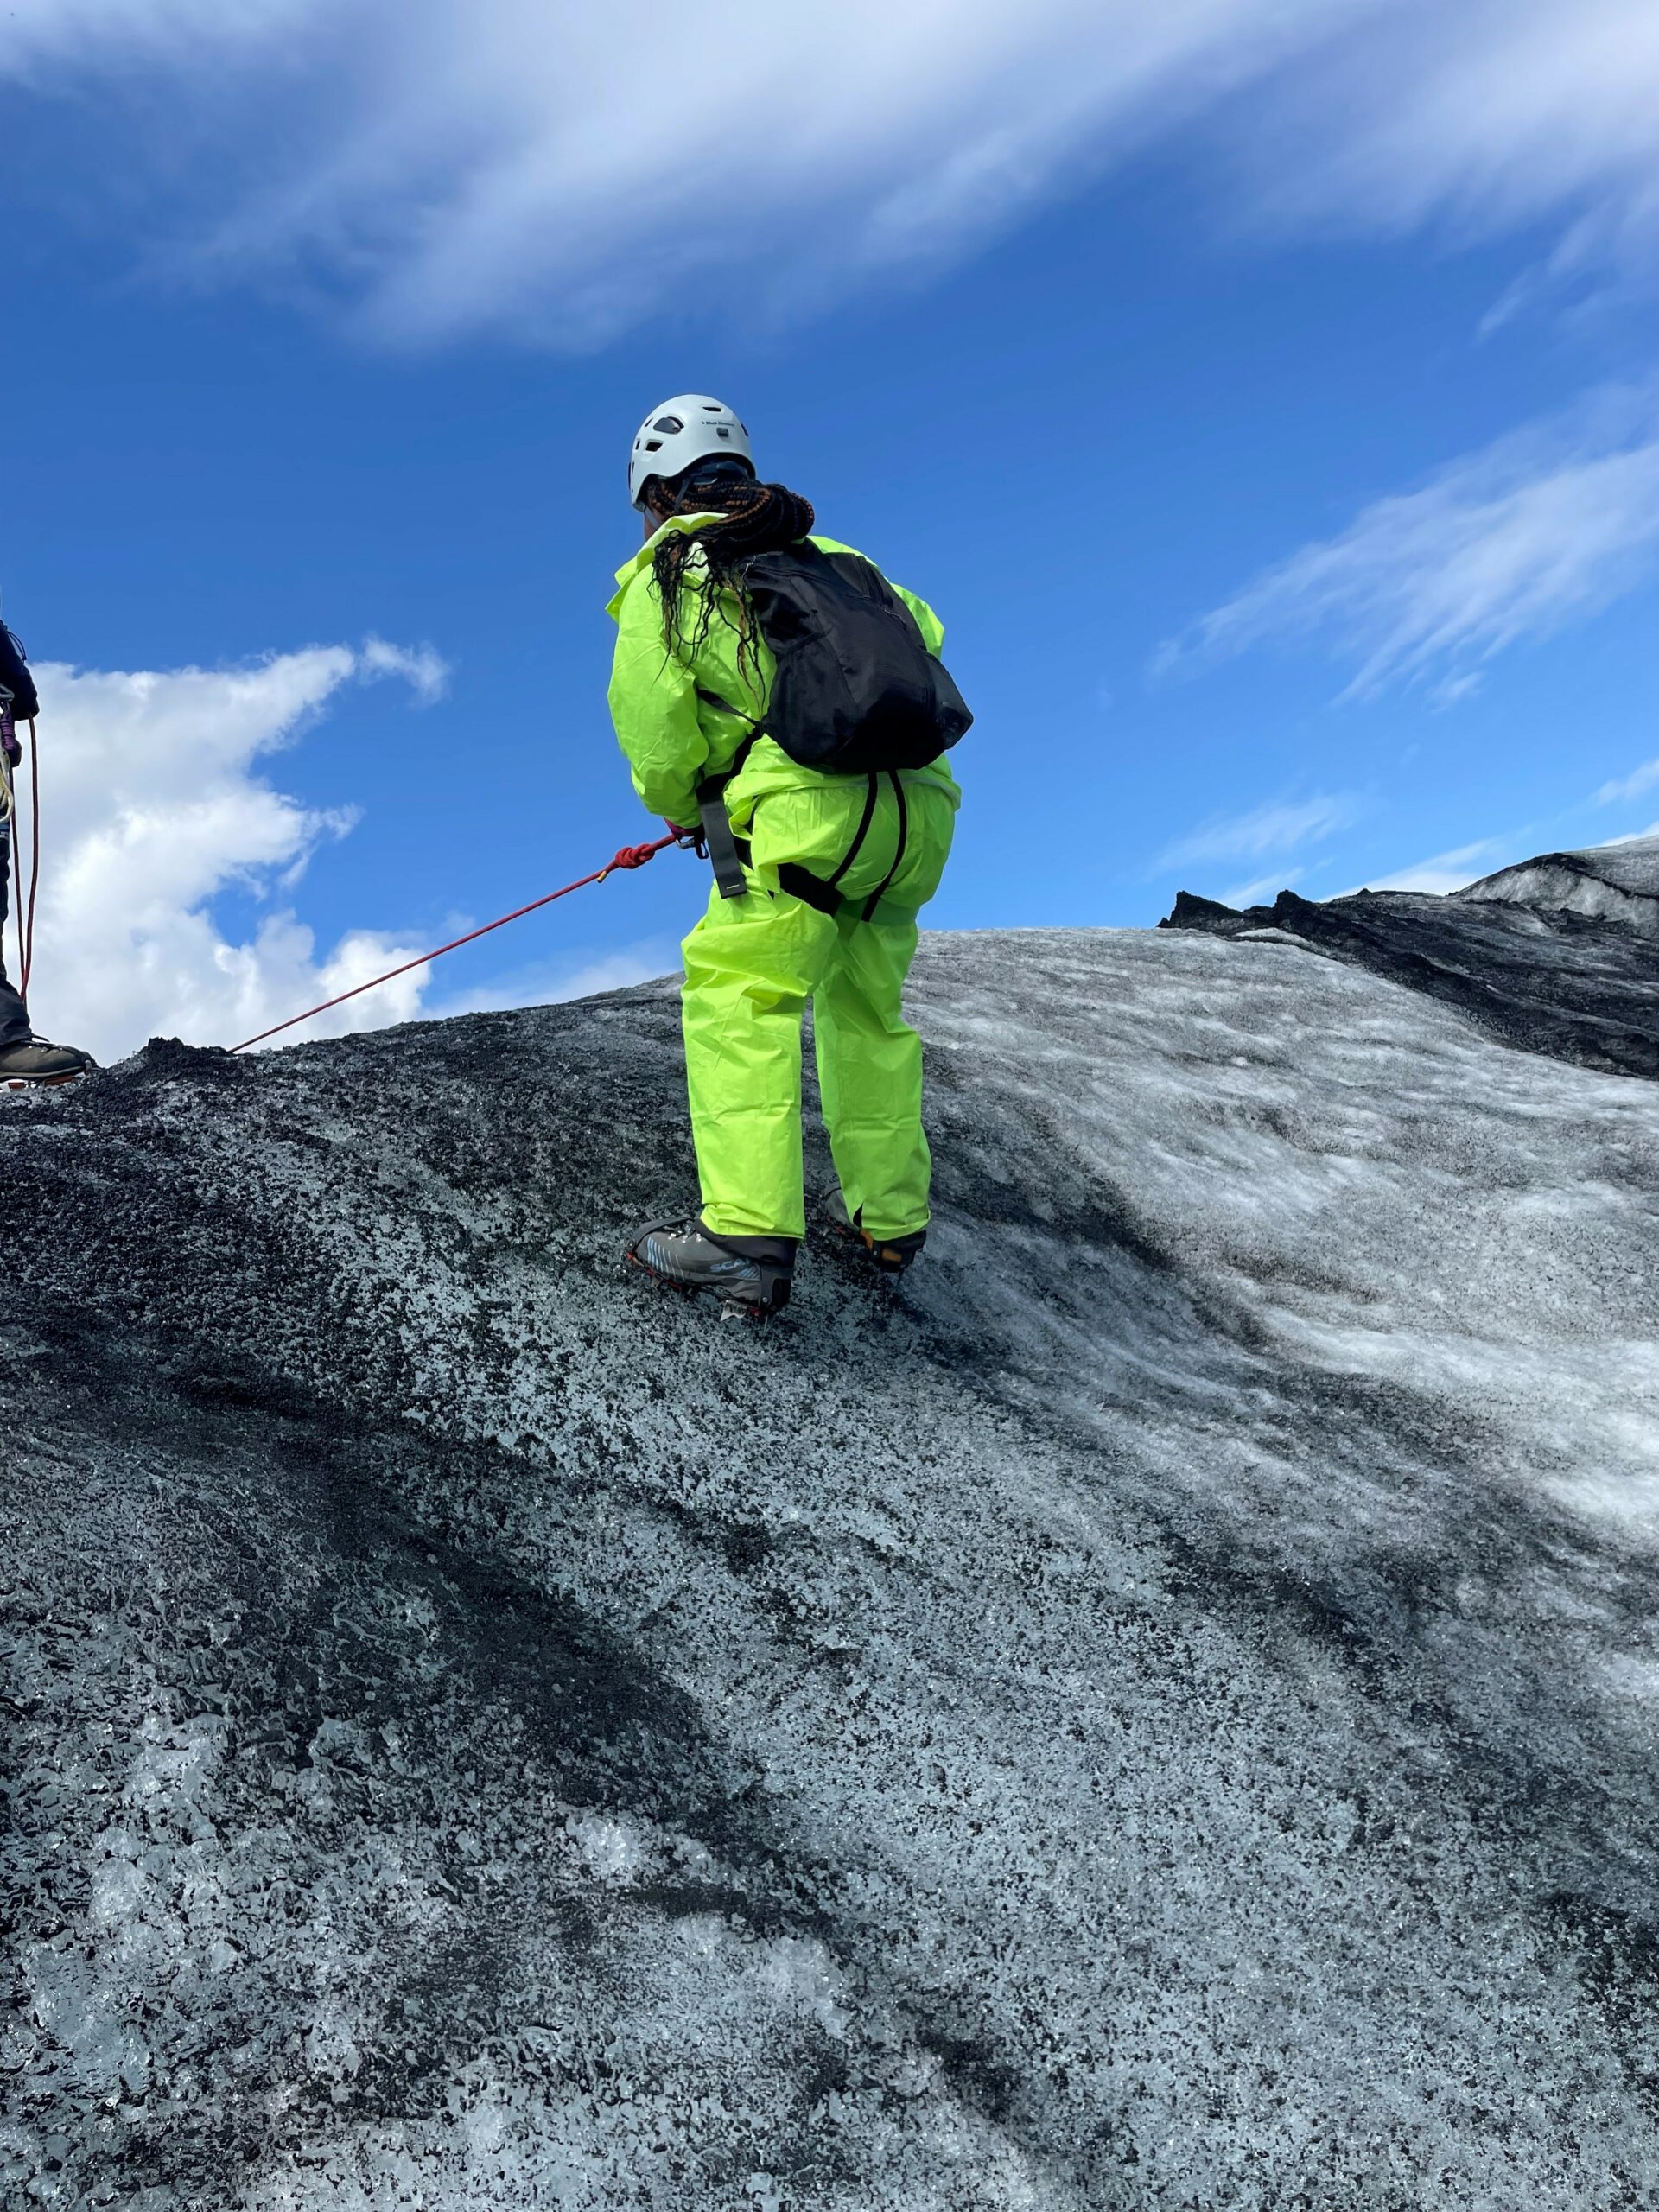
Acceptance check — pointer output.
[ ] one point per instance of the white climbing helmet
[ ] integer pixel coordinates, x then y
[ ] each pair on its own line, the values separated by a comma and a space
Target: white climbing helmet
679, 432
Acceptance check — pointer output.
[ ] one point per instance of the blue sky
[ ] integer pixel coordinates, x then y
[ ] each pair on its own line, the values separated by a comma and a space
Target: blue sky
1268, 399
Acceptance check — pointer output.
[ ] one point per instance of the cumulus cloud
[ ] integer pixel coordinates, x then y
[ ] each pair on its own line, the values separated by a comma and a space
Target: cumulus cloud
156, 804
456, 163
1278, 826
1542, 529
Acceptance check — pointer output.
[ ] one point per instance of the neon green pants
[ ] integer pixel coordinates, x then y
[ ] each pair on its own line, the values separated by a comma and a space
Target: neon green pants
751, 965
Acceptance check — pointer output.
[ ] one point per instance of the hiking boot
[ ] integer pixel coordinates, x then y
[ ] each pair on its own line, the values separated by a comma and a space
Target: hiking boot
32, 1060
892, 1254
751, 1276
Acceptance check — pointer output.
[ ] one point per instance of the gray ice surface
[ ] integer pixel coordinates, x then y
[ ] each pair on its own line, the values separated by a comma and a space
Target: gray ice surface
1550, 957
1610, 882
1157, 1713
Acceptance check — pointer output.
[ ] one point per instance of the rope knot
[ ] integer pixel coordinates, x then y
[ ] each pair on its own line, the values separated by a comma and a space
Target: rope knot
632, 856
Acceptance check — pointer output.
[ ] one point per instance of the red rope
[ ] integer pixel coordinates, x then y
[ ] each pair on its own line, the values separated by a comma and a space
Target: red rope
629, 856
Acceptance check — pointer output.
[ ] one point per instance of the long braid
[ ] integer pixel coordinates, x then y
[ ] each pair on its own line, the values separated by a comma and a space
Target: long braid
755, 519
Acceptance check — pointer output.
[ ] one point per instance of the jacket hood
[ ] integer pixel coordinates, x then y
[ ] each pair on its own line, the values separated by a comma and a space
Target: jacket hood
677, 526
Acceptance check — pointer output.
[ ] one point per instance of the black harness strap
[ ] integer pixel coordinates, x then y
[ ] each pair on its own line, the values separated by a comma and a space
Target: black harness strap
817, 891
740, 757
727, 859
718, 840
865, 820
876, 897
812, 890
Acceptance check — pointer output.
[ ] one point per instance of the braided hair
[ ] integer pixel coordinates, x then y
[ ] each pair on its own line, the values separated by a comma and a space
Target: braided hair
755, 519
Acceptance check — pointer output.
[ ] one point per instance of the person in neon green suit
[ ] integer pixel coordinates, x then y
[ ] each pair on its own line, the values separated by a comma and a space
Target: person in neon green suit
690, 680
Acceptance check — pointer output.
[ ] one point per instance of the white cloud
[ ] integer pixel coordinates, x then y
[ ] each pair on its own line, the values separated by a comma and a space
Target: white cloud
1498, 113
556, 169
1632, 787
541, 983
1544, 528
1444, 872
1450, 689
419, 665
154, 805
1261, 886
1278, 826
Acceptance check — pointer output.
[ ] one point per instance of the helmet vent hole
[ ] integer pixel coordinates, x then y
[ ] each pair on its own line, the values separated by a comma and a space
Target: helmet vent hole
670, 425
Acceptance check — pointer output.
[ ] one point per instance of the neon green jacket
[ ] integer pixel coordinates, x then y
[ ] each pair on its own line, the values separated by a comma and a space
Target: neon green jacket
672, 737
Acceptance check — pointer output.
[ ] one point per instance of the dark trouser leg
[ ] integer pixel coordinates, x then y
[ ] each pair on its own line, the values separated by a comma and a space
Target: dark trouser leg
13, 1014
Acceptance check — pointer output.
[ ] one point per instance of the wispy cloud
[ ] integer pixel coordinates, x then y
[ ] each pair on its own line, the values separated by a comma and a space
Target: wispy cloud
1248, 894
1444, 872
425, 670
461, 163
158, 804
1486, 113
1632, 787
1278, 826
542, 983
1542, 529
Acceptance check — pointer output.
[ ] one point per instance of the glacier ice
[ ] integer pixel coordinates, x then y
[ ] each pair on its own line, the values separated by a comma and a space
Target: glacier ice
1160, 1710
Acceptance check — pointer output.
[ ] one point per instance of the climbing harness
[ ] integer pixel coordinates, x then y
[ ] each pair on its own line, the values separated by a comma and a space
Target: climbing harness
629, 856
731, 855
821, 891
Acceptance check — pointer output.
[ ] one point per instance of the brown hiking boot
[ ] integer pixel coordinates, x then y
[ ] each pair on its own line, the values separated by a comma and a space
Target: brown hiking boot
32, 1060
892, 1254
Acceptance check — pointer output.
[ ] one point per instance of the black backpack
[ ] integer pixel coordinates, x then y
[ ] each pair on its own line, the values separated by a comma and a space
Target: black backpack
857, 692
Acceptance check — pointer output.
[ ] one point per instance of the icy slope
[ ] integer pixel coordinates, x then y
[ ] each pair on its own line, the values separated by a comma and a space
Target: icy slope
1159, 1714
1613, 882
1557, 955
